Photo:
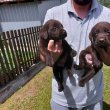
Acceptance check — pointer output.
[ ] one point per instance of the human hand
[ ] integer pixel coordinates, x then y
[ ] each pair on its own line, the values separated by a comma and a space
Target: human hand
55, 48
54, 51
88, 58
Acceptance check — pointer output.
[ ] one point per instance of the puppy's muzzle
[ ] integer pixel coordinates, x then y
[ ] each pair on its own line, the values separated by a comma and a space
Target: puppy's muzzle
102, 40
63, 34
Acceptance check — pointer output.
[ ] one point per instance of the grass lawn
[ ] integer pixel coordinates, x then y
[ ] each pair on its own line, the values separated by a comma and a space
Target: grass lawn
34, 96
106, 70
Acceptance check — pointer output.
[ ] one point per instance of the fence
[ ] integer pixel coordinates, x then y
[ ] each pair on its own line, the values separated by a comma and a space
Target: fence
18, 52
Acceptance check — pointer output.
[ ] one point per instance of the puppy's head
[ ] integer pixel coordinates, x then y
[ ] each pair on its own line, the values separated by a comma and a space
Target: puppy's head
53, 29
100, 34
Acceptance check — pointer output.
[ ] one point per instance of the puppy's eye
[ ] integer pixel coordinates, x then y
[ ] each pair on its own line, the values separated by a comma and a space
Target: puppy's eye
96, 34
55, 29
108, 32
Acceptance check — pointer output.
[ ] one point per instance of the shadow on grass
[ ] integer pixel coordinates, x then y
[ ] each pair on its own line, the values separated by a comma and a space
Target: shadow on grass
106, 106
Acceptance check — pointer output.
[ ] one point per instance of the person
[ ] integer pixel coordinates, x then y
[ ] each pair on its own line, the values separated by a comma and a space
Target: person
78, 17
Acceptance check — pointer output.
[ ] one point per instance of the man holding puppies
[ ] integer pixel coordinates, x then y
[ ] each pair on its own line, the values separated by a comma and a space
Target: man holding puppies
78, 17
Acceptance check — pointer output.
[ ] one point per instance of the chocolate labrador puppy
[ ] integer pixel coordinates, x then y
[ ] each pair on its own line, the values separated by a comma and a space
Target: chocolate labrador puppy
100, 39
99, 50
53, 30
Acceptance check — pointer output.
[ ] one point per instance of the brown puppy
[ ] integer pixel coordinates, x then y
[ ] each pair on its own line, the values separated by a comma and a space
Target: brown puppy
100, 39
53, 30
99, 50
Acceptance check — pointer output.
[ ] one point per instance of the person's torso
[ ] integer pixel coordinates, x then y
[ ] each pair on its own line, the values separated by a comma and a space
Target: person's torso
78, 37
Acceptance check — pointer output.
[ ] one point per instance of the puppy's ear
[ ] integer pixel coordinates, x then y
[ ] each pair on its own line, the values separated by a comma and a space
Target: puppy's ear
43, 33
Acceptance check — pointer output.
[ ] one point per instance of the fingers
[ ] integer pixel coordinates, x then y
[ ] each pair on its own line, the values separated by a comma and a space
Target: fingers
88, 58
51, 45
55, 51
55, 47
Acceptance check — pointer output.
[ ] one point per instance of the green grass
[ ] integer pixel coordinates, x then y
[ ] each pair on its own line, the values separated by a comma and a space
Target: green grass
36, 94
106, 95
105, 2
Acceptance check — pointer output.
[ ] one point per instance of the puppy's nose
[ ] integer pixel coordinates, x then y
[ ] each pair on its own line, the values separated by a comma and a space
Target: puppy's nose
64, 33
101, 40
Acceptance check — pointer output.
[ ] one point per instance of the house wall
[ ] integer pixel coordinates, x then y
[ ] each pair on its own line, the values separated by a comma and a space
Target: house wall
22, 15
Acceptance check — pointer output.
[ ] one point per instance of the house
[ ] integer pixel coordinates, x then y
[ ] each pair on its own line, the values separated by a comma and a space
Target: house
17, 14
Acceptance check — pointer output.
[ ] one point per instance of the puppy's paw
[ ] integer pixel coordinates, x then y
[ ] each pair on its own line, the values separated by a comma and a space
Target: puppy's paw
76, 66
81, 83
60, 87
73, 53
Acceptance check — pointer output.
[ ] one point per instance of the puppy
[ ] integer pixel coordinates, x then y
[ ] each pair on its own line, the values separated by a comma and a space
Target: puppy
100, 39
53, 30
99, 50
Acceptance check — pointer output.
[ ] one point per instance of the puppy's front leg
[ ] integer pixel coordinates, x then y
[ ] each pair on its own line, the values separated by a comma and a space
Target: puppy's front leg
89, 73
96, 60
